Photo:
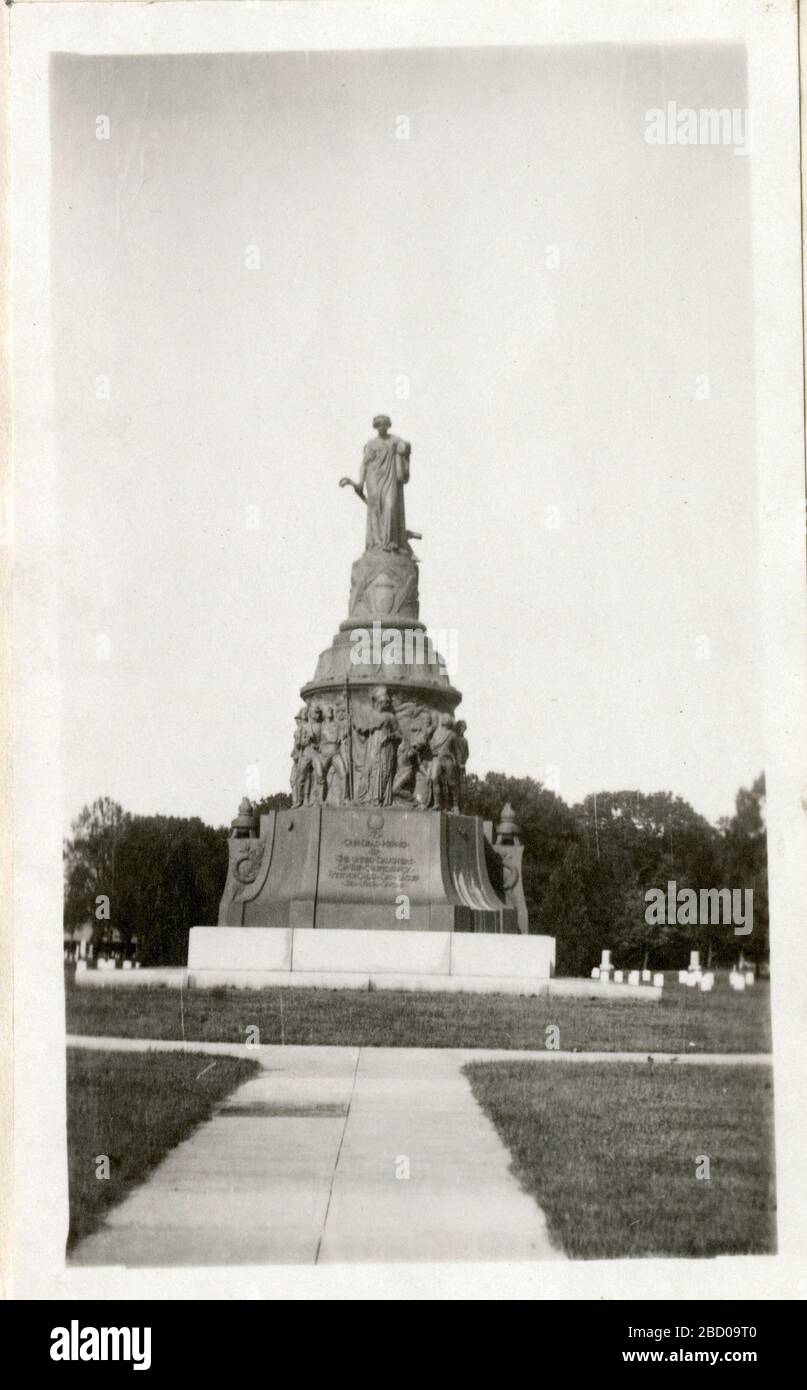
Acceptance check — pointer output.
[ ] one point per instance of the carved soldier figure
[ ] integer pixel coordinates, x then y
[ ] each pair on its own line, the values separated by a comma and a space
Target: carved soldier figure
345, 751
296, 753
443, 773
403, 788
421, 741
308, 780
330, 769
462, 755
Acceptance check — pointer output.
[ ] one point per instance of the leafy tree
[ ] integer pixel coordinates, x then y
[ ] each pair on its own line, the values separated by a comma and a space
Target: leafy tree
91, 861
635, 842
172, 872
161, 875
745, 865
546, 826
564, 915
278, 801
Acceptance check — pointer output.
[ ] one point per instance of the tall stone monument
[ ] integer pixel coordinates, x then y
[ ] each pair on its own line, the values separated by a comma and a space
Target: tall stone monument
376, 837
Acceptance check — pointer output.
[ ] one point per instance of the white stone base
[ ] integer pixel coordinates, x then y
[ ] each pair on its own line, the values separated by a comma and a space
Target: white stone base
430, 955
322, 958
172, 977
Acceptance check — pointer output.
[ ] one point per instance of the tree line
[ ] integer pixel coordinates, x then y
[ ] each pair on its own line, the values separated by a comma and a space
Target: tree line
587, 871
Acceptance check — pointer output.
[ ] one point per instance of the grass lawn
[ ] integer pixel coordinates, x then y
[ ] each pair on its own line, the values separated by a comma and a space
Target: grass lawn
682, 1021
134, 1107
609, 1151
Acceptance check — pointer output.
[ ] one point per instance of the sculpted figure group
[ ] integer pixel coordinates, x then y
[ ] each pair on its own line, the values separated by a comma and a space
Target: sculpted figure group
365, 757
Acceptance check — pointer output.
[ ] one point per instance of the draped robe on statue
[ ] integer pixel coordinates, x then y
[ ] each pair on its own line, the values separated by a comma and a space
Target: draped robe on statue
379, 762
384, 471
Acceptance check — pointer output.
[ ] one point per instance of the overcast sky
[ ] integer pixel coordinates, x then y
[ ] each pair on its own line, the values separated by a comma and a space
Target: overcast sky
554, 291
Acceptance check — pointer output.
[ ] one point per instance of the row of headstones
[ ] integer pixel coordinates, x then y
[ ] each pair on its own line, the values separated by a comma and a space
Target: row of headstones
693, 976
104, 963
739, 977
705, 980
605, 971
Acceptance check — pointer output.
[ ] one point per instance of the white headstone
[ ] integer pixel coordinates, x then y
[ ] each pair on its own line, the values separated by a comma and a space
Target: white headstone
618, 977
605, 963
595, 974
646, 977
683, 977
658, 979
694, 960
749, 977
633, 977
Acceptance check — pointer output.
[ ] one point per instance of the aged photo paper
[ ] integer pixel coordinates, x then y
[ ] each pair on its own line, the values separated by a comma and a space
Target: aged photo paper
404, 518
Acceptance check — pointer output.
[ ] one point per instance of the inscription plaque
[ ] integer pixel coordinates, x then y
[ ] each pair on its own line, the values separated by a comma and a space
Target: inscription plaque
373, 861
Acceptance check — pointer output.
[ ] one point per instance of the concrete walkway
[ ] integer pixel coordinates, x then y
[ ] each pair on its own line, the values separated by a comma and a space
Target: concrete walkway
330, 1154
462, 1055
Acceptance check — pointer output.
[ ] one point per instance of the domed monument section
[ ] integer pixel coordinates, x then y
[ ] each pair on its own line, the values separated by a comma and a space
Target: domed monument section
376, 840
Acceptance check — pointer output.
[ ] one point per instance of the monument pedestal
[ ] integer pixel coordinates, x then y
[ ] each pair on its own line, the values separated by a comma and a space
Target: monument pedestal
367, 868
442, 961
373, 877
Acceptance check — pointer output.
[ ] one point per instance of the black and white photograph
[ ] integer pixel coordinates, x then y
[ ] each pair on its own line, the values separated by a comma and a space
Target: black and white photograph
409, 791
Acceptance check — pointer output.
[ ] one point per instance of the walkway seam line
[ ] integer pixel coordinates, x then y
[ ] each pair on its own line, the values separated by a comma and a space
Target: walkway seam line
338, 1155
